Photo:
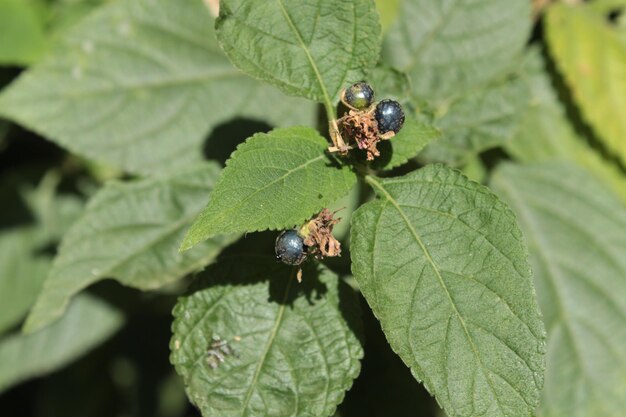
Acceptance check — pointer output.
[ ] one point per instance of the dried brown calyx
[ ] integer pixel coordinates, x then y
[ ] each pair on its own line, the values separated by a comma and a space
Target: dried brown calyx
361, 127
318, 235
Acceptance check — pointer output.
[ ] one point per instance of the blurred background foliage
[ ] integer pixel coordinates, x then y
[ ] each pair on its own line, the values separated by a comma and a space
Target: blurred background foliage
562, 101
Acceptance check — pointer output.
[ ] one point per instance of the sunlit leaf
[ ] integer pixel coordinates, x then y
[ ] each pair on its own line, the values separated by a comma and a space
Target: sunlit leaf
273, 181
442, 264
592, 57
308, 49
548, 135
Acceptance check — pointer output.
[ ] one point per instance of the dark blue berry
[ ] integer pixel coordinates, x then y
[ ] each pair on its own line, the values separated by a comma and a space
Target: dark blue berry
389, 116
359, 96
290, 248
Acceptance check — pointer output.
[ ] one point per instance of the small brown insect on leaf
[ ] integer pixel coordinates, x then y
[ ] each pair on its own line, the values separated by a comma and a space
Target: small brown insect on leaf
218, 350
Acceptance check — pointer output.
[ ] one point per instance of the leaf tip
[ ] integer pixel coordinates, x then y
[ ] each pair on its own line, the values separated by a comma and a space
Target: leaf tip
187, 244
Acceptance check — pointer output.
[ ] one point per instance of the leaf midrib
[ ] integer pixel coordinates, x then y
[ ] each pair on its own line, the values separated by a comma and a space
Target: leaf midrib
268, 345
378, 186
326, 98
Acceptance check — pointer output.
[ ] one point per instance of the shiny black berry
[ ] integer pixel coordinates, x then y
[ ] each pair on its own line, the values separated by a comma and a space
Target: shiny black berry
389, 116
359, 96
290, 248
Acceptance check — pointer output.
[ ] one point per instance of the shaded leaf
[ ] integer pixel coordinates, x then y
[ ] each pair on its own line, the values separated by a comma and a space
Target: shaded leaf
22, 271
308, 49
36, 219
547, 134
592, 57
130, 232
138, 85
294, 347
575, 229
442, 264
273, 181
87, 323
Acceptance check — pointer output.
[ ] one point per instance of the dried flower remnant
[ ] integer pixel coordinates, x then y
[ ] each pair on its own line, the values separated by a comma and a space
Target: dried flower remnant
363, 129
318, 235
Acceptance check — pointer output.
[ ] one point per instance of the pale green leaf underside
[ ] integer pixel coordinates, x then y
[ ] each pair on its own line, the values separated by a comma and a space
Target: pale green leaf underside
139, 84
482, 119
130, 232
88, 323
548, 135
306, 48
576, 232
592, 57
295, 347
22, 271
272, 181
448, 47
442, 264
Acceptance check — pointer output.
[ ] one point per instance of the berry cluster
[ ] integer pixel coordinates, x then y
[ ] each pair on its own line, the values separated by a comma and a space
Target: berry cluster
366, 123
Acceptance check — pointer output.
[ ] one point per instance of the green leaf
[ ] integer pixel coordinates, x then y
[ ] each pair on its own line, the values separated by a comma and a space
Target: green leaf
592, 57
87, 323
388, 82
36, 218
22, 272
442, 264
273, 181
450, 47
295, 347
308, 49
413, 137
138, 85
575, 231
460, 57
54, 212
21, 32
549, 136
483, 119
130, 232
63, 14
388, 10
